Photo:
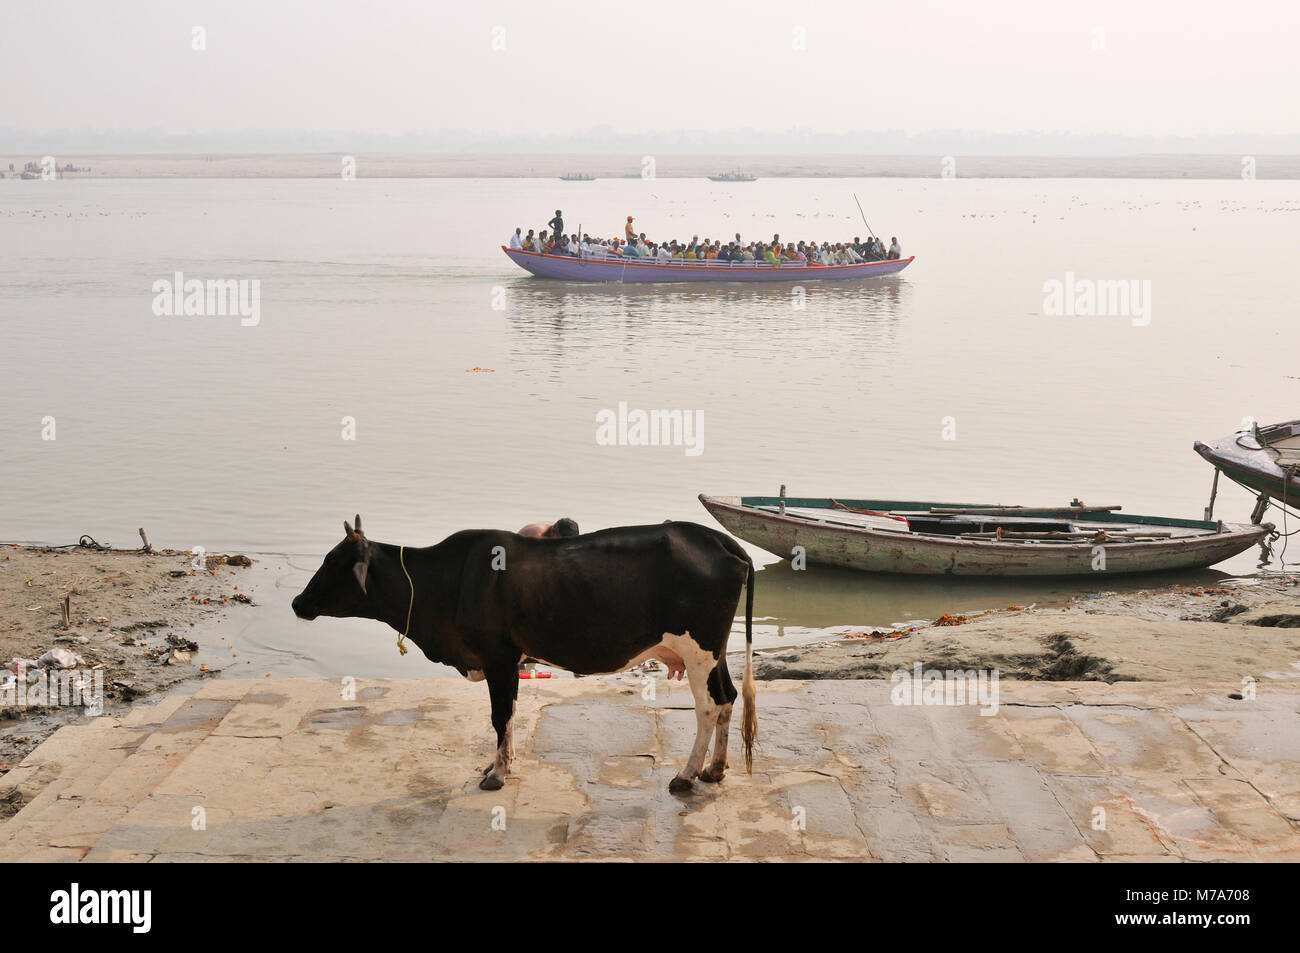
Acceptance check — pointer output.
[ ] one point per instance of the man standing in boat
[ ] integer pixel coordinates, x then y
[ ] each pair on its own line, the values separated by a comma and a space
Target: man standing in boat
557, 224
895, 250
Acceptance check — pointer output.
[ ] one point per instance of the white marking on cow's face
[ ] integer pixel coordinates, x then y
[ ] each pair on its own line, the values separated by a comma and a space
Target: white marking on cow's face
475, 675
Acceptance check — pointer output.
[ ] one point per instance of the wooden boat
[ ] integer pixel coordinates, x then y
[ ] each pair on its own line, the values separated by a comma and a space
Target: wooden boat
577, 177
736, 176
969, 540
1263, 459
568, 268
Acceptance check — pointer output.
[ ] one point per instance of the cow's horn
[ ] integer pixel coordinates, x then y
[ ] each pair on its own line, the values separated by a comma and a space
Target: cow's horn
359, 533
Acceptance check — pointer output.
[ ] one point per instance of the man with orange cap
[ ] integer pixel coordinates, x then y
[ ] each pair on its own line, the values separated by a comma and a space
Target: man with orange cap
629, 231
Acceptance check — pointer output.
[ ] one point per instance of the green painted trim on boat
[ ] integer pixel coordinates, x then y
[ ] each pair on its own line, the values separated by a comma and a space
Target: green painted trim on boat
906, 505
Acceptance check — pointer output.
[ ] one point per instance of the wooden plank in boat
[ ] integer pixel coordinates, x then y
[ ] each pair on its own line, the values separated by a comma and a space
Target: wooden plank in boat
1019, 510
842, 518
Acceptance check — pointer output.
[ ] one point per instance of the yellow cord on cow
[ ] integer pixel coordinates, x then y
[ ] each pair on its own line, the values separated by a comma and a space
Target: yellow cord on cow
401, 558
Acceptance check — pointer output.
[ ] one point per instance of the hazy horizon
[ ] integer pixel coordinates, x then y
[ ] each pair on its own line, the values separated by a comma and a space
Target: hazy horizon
925, 76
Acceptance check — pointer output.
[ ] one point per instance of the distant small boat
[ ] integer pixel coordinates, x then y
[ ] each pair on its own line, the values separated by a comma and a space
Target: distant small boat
733, 177
577, 177
629, 269
1264, 459
935, 539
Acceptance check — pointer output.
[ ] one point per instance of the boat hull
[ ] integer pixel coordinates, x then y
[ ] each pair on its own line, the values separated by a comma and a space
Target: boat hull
1253, 465
626, 271
883, 551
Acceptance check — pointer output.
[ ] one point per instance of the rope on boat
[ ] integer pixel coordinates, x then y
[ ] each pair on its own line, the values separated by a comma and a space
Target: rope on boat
1289, 474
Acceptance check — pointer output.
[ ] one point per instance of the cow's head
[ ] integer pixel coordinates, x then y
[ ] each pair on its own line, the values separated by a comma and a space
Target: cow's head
339, 586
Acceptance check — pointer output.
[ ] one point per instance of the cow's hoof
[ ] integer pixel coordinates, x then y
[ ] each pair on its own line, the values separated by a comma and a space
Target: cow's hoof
712, 776
680, 786
491, 783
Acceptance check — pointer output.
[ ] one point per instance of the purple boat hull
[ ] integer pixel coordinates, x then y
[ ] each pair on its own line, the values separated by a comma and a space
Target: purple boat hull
621, 270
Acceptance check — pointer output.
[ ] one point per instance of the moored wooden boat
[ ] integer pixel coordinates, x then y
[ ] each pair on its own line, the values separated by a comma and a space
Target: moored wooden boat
624, 270
917, 538
1263, 459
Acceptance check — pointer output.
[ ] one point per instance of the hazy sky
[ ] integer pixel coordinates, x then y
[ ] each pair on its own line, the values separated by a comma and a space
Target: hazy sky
1177, 68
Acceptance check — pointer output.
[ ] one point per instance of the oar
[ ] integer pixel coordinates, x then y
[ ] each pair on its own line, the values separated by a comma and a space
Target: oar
864, 216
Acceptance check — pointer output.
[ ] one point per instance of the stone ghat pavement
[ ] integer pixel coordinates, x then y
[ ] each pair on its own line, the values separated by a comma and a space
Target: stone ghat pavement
290, 770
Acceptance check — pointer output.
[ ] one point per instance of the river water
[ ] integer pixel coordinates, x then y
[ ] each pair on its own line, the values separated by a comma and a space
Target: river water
387, 313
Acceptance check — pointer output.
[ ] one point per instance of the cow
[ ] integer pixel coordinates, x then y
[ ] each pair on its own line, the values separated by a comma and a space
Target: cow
481, 600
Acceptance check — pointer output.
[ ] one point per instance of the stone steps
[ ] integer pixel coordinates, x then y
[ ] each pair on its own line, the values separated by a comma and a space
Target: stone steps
314, 769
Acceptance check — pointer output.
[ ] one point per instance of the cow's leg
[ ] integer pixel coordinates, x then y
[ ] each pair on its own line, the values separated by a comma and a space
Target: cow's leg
699, 663
723, 693
503, 688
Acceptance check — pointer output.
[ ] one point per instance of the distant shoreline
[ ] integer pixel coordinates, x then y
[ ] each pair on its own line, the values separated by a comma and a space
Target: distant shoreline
604, 167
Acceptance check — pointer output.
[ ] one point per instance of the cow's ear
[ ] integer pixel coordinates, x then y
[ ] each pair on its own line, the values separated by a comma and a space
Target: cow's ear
361, 567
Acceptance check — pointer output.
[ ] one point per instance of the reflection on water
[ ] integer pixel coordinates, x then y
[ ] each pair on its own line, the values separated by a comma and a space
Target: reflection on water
800, 602
547, 319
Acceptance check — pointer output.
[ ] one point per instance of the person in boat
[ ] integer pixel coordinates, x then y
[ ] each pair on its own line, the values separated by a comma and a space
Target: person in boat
517, 240
724, 254
571, 245
628, 232
663, 254
556, 225
530, 243
895, 249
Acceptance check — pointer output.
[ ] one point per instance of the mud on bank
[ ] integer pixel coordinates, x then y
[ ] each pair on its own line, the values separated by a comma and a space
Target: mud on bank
130, 618
1243, 629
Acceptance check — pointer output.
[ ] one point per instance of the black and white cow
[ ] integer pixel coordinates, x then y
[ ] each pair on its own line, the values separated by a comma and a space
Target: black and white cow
481, 600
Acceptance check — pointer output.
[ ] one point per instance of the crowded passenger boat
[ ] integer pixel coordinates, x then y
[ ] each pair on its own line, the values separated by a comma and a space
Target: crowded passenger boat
634, 245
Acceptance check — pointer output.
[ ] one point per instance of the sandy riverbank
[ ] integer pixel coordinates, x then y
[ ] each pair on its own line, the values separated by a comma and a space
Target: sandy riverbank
1245, 629
131, 620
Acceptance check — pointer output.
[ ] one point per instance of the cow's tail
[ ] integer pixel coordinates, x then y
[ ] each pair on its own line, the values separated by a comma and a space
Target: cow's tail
749, 721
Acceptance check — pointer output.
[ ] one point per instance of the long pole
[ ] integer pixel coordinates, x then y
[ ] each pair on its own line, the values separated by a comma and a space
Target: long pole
864, 215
